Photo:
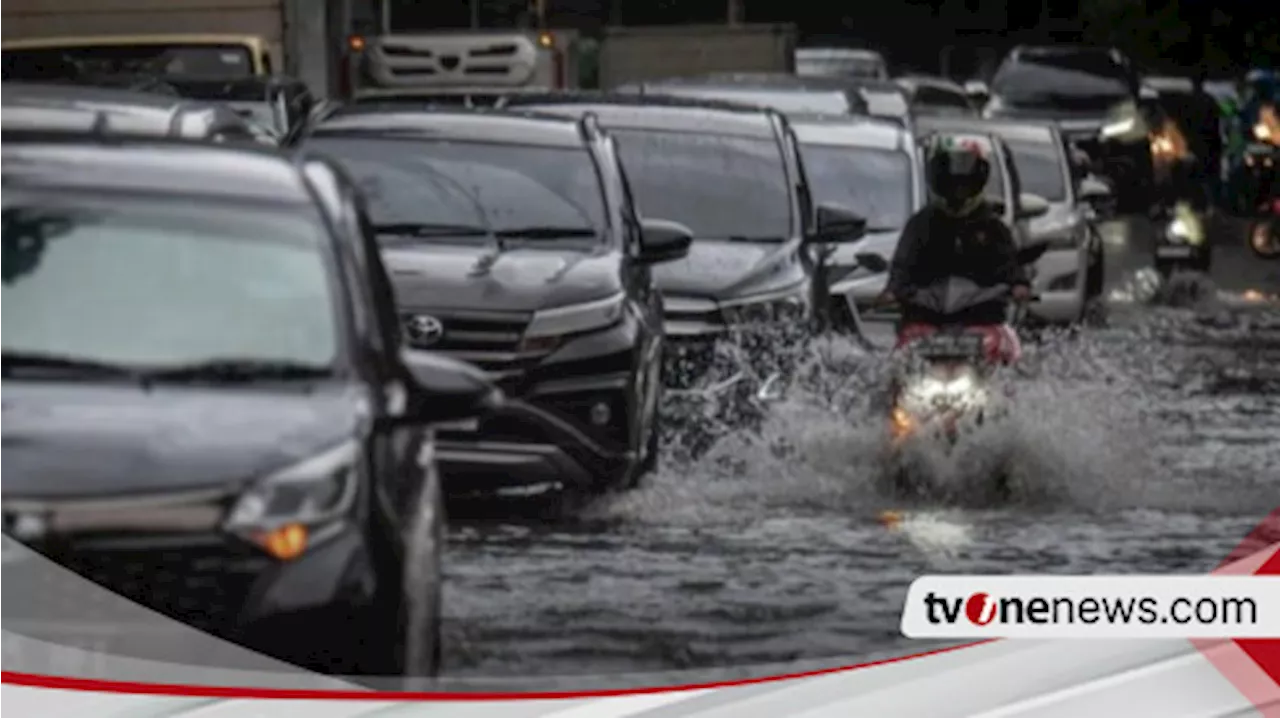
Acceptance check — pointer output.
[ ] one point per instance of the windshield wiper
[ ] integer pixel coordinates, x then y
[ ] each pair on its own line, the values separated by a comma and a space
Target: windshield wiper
546, 233
241, 370
766, 239
425, 230
66, 364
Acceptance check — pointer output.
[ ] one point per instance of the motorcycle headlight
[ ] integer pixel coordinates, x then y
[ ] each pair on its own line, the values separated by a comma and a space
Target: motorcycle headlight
1262, 132
784, 306
549, 326
929, 392
1185, 230
291, 509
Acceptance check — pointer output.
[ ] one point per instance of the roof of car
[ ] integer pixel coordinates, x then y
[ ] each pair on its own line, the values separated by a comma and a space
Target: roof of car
627, 111
914, 82
1022, 130
515, 127
169, 167
852, 131
62, 41
69, 95
859, 52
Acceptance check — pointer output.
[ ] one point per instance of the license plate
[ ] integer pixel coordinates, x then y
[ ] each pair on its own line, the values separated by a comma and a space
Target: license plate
1259, 148
949, 345
1173, 251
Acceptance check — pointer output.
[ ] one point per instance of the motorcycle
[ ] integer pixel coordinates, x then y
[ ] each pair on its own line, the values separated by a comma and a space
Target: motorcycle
1181, 242
945, 383
1265, 225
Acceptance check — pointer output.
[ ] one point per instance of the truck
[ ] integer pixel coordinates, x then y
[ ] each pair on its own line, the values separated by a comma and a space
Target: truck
408, 53
234, 38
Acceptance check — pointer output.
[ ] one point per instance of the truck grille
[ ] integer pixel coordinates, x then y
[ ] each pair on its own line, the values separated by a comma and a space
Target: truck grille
490, 340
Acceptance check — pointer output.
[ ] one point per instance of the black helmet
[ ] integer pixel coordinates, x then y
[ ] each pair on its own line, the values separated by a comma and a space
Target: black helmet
957, 172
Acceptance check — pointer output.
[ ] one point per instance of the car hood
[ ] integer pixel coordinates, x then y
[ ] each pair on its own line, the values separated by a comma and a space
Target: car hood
517, 280
1061, 217
79, 440
722, 270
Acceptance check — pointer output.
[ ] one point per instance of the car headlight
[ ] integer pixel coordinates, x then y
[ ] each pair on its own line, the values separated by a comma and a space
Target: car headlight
293, 508
550, 326
1185, 231
1125, 122
788, 305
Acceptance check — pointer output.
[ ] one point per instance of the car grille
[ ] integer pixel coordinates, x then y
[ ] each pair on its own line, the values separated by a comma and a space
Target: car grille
689, 317
490, 340
204, 586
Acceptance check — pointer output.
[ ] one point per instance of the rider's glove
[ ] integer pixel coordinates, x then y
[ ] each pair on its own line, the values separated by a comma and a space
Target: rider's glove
1021, 293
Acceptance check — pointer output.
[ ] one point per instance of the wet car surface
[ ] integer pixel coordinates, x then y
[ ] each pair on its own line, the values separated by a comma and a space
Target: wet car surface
1147, 445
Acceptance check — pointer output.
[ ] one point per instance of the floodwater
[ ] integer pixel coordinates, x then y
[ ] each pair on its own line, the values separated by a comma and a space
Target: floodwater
1144, 445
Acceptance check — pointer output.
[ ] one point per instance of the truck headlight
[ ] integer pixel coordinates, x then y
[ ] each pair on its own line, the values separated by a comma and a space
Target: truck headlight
791, 304
291, 509
550, 326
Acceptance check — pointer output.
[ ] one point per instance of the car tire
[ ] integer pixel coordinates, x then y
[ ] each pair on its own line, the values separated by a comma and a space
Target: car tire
423, 577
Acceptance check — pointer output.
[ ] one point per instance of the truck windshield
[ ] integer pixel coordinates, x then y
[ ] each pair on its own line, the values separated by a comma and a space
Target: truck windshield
720, 186
72, 62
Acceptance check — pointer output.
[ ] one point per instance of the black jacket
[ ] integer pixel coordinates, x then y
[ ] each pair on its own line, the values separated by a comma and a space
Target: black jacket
935, 246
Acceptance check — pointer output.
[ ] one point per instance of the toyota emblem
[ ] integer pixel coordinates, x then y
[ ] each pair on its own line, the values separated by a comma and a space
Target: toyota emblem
425, 330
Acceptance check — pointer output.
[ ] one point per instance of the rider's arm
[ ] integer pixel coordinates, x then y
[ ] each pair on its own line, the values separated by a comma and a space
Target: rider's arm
904, 257
1008, 269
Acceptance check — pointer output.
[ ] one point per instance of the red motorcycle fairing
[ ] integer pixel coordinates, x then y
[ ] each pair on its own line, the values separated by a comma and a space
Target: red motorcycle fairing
1000, 343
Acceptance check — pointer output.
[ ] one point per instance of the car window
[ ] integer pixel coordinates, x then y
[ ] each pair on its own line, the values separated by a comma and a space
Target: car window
144, 59
488, 186
146, 282
941, 98
718, 185
1057, 78
1040, 169
875, 183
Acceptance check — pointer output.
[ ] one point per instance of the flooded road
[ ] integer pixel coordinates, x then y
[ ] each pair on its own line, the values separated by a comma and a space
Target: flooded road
1147, 445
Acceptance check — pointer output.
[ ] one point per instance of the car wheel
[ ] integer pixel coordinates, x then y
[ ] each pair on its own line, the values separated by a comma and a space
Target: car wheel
420, 605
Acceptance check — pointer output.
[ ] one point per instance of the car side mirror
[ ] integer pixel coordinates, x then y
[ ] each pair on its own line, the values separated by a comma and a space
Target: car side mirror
837, 223
446, 389
663, 241
1031, 206
872, 261
978, 92
1093, 190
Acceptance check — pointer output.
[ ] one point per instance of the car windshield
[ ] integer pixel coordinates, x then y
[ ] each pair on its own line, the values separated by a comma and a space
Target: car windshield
719, 186
838, 66
828, 102
72, 62
485, 188
876, 184
141, 282
1040, 169
1052, 77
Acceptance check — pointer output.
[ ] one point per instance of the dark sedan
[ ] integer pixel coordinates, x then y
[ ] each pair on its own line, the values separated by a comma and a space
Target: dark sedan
207, 408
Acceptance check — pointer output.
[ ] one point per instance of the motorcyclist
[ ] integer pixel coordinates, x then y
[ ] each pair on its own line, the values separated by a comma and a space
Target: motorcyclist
957, 235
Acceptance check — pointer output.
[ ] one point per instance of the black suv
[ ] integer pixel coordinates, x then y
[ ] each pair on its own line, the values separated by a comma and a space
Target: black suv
734, 174
1096, 98
207, 406
513, 243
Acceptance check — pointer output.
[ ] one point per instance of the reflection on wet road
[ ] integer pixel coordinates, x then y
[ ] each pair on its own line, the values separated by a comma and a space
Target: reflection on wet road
1145, 446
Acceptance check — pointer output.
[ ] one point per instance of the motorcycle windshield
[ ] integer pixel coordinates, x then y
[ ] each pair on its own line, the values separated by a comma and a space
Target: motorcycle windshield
954, 295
